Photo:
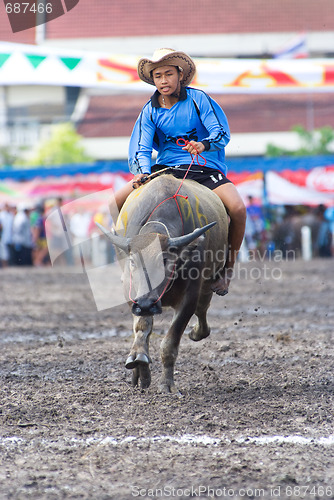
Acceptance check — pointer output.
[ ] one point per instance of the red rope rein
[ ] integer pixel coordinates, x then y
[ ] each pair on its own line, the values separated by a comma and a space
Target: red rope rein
182, 143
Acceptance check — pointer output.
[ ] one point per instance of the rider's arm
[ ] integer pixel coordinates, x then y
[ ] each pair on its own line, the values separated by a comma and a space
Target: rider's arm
214, 120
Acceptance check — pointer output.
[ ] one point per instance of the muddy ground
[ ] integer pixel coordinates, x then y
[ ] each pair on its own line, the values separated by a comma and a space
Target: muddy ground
255, 415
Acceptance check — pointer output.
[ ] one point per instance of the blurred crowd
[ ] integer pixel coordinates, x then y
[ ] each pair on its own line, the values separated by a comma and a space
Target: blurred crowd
279, 228
23, 240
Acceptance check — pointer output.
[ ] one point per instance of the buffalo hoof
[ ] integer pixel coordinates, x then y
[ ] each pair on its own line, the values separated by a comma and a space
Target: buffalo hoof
142, 359
131, 362
169, 388
134, 361
144, 376
198, 334
135, 377
141, 373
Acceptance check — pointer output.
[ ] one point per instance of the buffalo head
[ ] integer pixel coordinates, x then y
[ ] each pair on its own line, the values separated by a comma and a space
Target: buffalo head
150, 265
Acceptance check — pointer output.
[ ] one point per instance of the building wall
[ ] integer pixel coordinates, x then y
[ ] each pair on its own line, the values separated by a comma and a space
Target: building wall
101, 18
114, 116
112, 18
201, 28
23, 95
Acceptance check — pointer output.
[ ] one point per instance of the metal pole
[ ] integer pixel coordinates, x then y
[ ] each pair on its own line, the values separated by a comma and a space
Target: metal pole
40, 29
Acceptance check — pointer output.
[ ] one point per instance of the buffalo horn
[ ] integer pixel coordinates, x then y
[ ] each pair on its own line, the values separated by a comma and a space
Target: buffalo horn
120, 241
180, 241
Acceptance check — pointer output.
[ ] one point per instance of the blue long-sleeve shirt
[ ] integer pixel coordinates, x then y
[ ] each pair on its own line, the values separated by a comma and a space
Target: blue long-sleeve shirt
196, 116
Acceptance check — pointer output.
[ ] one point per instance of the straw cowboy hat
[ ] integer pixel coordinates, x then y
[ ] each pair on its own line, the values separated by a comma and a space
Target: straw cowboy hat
167, 57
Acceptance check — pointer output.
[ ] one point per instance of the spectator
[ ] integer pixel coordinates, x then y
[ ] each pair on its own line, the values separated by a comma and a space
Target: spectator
329, 215
40, 253
79, 225
255, 228
6, 226
286, 233
58, 234
22, 240
324, 238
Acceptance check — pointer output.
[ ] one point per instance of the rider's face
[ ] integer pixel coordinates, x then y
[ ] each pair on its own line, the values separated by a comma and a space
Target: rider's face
167, 79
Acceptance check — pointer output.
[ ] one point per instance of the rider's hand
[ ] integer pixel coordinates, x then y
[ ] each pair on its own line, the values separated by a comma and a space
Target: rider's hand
137, 180
194, 147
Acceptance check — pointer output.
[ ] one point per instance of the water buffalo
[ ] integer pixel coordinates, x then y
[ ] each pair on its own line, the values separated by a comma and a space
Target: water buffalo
172, 239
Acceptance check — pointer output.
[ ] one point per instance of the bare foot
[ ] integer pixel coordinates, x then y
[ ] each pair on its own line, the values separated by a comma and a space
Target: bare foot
220, 286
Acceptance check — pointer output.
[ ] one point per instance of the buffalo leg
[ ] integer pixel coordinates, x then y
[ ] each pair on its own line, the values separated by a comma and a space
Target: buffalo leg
135, 376
170, 345
141, 372
139, 358
201, 330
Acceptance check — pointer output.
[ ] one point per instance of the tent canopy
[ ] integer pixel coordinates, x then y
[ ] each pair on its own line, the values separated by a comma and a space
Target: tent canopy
235, 165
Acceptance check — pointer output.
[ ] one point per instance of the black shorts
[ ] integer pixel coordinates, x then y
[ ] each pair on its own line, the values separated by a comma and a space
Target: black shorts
209, 177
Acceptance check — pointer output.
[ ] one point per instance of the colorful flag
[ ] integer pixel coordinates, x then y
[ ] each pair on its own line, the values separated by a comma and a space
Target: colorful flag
294, 48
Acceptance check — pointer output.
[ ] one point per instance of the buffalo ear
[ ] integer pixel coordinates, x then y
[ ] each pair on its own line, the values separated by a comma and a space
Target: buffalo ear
187, 252
195, 244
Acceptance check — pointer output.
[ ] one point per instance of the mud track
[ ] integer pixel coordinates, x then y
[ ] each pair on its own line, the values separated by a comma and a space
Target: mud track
255, 419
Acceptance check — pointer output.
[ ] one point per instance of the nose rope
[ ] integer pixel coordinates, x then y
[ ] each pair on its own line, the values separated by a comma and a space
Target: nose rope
167, 284
130, 288
163, 291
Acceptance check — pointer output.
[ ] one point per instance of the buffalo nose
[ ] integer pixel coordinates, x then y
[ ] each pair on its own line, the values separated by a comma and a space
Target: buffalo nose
146, 307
